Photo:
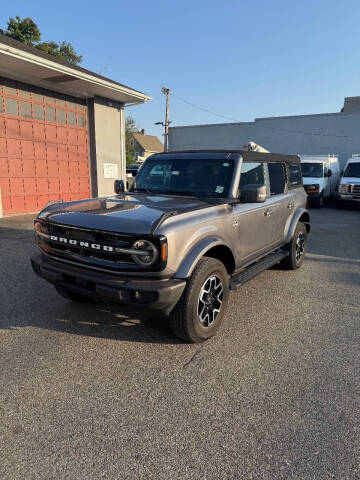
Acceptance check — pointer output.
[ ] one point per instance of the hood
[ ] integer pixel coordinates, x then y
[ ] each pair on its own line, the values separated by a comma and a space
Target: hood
349, 180
134, 214
313, 180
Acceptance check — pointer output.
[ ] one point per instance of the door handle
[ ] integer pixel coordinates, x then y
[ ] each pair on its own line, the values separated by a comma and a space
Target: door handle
268, 212
291, 205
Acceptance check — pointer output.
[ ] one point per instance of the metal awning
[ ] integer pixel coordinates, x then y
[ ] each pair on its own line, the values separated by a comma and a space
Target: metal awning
26, 64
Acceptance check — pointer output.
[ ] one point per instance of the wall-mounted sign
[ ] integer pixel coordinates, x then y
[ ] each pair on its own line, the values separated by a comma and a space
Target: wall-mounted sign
111, 170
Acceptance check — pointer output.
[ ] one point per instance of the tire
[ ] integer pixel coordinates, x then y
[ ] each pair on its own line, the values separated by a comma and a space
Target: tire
297, 248
319, 202
72, 296
199, 314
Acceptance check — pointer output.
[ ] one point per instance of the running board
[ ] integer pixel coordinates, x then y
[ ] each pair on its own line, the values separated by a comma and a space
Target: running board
255, 268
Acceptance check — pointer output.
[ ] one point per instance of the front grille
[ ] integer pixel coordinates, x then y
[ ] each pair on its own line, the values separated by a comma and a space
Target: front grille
82, 245
350, 189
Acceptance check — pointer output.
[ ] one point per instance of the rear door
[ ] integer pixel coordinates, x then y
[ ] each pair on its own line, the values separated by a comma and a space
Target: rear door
280, 203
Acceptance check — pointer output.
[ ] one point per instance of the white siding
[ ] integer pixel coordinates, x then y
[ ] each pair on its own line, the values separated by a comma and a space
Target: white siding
331, 133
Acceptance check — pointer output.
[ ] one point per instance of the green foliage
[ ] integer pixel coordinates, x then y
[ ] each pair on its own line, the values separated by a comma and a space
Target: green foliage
26, 31
130, 129
62, 50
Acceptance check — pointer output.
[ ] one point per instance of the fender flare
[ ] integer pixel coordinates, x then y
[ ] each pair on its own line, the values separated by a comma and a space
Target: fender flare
188, 264
300, 214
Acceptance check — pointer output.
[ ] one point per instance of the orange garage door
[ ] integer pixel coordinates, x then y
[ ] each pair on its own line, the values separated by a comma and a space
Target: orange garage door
43, 148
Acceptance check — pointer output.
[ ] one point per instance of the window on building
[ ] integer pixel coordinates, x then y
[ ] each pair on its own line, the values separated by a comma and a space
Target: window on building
12, 106
71, 118
26, 109
277, 178
50, 114
61, 116
81, 120
38, 111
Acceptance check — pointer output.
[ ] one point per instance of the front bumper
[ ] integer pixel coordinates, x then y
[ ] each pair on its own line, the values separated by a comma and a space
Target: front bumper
313, 196
160, 295
349, 197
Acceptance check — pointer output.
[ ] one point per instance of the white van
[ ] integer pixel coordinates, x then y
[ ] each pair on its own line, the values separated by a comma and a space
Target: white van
321, 177
349, 189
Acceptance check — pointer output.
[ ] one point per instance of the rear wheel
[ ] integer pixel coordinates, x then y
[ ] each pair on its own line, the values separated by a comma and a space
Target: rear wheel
297, 248
201, 309
72, 296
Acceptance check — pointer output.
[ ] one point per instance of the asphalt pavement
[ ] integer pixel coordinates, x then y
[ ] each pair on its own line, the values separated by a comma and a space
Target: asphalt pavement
102, 391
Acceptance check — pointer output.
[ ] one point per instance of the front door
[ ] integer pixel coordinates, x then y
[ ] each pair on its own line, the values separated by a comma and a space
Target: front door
252, 221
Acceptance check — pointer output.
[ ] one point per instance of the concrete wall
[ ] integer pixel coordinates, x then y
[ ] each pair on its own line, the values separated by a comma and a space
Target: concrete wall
332, 133
107, 143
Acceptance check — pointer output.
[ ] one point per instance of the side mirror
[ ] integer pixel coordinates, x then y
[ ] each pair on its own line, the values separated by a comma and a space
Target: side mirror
119, 187
329, 172
253, 194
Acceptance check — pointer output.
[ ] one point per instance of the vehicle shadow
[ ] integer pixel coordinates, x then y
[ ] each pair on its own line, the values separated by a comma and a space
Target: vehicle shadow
29, 301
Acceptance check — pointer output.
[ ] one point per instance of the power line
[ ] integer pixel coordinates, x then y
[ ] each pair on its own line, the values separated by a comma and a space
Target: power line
253, 124
204, 109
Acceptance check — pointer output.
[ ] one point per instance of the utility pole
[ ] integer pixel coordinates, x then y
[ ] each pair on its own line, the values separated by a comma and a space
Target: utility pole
166, 91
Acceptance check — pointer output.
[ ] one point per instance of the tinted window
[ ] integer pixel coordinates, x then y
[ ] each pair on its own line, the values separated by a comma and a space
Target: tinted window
252, 173
186, 176
277, 178
352, 170
295, 175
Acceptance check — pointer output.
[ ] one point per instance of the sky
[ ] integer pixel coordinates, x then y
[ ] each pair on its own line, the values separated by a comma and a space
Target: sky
238, 59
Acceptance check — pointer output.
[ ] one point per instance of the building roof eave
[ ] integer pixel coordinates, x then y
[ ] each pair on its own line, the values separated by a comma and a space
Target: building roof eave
23, 63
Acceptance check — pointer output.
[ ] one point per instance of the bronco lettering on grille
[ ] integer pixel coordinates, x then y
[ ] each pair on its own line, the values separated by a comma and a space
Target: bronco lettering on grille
70, 241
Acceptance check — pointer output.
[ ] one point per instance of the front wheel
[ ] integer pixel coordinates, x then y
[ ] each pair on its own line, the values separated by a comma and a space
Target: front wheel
201, 309
319, 202
297, 248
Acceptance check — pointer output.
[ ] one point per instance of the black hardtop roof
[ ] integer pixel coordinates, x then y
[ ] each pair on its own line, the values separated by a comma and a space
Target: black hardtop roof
247, 156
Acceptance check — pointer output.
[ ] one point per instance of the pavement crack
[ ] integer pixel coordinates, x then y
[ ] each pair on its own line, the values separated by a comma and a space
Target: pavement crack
192, 359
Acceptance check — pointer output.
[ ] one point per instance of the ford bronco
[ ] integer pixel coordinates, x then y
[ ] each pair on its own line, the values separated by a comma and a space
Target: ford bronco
193, 226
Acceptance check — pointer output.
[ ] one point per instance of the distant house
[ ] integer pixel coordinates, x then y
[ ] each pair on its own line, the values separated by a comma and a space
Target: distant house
145, 145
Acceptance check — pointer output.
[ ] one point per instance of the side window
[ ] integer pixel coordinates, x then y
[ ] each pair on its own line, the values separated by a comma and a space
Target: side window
294, 175
277, 178
252, 173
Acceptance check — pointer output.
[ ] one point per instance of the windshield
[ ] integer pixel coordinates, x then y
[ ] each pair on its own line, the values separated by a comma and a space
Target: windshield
312, 170
352, 170
185, 176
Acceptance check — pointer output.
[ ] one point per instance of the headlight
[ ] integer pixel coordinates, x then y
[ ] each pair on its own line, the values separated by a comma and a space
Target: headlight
147, 255
313, 187
343, 188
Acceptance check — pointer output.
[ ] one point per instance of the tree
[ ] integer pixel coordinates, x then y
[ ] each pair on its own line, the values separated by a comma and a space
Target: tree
130, 129
62, 50
26, 31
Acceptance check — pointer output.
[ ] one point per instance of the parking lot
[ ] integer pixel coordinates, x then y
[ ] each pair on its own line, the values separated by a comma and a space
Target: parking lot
100, 391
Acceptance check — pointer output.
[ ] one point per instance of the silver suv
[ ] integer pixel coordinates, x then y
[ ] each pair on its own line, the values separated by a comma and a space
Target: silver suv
193, 226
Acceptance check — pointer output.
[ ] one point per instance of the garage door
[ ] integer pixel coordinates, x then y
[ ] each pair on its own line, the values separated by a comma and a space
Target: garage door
43, 148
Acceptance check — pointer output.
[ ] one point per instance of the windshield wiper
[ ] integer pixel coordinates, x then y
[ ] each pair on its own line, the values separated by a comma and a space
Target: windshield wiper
182, 192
